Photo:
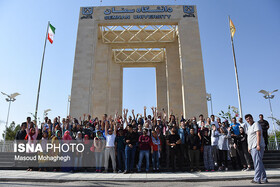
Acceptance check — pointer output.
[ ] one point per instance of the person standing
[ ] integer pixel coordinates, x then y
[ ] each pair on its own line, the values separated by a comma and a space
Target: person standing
207, 151
223, 146
99, 145
155, 150
265, 126
194, 150
130, 148
256, 147
214, 122
242, 148
235, 126
120, 140
214, 143
21, 134
173, 141
144, 147
110, 147
243, 125
182, 131
201, 119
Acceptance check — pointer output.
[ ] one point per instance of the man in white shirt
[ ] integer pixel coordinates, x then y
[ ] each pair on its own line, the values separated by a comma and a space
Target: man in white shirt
110, 146
214, 122
201, 119
243, 125
256, 147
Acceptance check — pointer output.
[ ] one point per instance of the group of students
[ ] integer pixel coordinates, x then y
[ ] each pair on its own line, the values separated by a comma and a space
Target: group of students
172, 144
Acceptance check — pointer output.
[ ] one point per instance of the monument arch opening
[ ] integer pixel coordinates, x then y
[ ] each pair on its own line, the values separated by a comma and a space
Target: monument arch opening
139, 88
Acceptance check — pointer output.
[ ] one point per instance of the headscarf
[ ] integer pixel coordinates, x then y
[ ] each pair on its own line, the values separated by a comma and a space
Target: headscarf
77, 137
86, 139
30, 134
99, 137
66, 136
56, 134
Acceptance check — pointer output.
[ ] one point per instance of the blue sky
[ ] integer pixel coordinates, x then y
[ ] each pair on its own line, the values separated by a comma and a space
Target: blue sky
23, 31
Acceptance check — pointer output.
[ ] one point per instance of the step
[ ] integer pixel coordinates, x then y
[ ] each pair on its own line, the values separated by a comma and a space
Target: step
7, 164
272, 151
271, 158
271, 161
272, 165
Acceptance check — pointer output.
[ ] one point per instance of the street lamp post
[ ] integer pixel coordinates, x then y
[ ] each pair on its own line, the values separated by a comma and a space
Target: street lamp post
46, 113
10, 98
268, 95
68, 103
209, 98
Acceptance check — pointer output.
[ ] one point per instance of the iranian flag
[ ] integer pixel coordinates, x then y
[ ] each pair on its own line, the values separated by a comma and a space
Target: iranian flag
51, 33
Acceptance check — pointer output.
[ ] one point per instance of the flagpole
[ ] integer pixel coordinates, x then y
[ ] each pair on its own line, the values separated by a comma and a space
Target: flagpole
236, 75
39, 86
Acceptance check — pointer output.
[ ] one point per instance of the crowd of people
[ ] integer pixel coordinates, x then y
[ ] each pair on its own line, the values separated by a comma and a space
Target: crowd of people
120, 143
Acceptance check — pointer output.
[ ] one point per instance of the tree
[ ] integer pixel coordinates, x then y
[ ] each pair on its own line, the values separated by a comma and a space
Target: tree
232, 112
11, 131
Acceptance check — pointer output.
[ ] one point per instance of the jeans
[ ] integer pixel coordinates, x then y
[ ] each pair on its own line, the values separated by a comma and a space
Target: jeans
129, 157
155, 160
121, 159
257, 156
98, 160
208, 157
143, 153
78, 162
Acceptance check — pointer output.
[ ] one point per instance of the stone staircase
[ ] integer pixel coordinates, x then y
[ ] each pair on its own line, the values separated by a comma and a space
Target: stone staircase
271, 159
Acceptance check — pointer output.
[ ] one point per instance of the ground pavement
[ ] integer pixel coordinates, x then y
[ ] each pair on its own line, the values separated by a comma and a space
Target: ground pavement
35, 176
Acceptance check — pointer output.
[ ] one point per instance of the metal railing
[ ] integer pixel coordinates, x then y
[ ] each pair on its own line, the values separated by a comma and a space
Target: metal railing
272, 144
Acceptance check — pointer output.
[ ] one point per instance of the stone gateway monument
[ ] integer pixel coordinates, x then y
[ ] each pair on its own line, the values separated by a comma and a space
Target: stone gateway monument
112, 38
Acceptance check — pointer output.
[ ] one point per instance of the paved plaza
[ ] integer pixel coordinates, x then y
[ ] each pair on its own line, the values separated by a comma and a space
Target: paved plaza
34, 176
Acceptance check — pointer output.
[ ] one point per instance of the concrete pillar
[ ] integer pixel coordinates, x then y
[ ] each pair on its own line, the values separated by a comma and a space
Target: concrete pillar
83, 66
115, 88
193, 81
100, 82
161, 86
173, 75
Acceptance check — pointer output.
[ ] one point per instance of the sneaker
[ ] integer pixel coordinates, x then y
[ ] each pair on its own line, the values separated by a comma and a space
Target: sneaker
248, 169
125, 172
254, 182
216, 164
115, 171
212, 170
120, 171
265, 181
206, 170
226, 169
220, 169
244, 169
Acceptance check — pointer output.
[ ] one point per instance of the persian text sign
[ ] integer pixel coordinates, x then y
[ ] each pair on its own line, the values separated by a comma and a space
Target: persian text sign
161, 12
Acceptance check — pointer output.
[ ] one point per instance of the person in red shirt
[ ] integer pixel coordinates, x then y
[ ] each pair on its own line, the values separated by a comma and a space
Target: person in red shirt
155, 150
144, 147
